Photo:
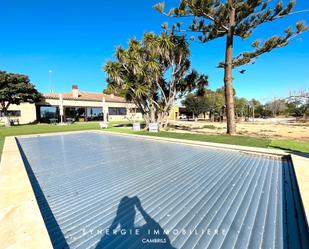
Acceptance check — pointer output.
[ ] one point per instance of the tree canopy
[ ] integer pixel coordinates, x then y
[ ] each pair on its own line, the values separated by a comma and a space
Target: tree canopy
153, 73
210, 19
213, 103
116, 91
16, 89
195, 104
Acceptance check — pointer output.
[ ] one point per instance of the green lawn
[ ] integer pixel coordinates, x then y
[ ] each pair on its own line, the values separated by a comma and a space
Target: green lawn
239, 140
45, 128
292, 145
42, 128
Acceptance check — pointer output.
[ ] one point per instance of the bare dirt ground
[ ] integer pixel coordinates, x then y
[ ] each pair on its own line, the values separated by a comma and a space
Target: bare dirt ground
266, 129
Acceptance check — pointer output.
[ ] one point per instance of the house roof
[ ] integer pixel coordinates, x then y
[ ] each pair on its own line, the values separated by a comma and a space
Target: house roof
89, 96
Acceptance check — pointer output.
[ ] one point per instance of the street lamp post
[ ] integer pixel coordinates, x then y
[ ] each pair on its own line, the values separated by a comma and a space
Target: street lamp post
50, 72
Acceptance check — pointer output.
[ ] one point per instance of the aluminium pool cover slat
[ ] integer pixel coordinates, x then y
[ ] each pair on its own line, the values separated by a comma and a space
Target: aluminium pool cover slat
86, 183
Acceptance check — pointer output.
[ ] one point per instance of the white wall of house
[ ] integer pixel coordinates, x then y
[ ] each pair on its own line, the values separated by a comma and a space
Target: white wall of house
27, 113
83, 103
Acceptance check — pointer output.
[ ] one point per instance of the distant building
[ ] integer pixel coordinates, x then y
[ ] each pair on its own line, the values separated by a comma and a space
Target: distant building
174, 114
80, 106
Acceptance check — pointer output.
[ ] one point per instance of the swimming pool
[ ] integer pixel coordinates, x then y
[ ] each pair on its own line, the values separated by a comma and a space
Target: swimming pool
99, 190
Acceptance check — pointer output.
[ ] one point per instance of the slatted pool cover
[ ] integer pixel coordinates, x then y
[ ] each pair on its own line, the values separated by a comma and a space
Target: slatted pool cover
108, 191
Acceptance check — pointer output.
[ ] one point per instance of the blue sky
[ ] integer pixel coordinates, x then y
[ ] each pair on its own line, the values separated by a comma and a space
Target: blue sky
74, 38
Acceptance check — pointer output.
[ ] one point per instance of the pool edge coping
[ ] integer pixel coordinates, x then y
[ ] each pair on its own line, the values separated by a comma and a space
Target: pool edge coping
21, 220
29, 206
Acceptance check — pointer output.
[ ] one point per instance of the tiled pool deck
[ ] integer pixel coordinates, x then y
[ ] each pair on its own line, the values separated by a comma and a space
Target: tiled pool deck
81, 180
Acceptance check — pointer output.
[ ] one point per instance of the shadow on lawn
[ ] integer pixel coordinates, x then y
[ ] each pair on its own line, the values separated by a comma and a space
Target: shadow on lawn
150, 235
127, 125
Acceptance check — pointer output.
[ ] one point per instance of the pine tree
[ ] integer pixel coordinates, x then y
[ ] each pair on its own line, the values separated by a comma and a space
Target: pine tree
212, 19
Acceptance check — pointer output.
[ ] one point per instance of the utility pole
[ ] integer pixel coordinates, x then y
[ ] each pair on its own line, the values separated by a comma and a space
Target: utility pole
50, 72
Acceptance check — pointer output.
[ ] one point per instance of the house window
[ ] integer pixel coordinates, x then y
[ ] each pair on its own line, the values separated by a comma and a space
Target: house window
45, 113
94, 113
75, 112
135, 110
11, 113
117, 111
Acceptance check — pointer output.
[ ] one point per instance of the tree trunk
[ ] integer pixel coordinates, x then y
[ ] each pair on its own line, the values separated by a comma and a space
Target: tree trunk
152, 111
146, 119
163, 120
4, 109
228, 81
253, 113
211, 116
